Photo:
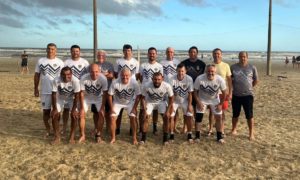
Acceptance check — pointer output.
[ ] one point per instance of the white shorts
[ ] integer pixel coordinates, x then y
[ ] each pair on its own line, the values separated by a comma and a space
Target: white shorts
117, 108
46, 101
184, 107
212, 107
87, 104
161, 107
64, 104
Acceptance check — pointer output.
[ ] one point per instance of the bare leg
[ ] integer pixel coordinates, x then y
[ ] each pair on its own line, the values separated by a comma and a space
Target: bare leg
55, 124
133, 126
99, 127
251, 129
189, 125
113, 129
65, 120
155, 120
46, 117
211, 122
73, 129
141, 117
82, 129
119, 120
234, 126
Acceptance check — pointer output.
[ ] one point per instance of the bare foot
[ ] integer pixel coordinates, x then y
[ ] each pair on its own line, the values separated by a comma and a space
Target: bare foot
221, 141
134, 142
166, 143
56, 141
191, 141
234, 132
72, 141
112, 141
251, 138
81, 139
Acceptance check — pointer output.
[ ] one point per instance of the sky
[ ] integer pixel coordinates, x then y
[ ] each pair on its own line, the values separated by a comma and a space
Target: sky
231, 25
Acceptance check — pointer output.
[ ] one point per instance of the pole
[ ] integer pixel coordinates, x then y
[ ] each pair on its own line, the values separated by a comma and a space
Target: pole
269, 39
95, 29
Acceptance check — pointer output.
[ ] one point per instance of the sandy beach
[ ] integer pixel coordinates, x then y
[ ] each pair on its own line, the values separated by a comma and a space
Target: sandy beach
25, 154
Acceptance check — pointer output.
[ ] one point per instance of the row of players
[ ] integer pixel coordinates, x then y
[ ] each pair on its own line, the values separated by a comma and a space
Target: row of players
183, 87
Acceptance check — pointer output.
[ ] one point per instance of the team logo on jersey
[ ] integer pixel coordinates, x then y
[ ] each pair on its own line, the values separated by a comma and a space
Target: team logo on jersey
80, 66
97, 85
54, 65
69, 87
184, 86
131, 65
215, 86
130, 89
161, 93
155, 69
198, 68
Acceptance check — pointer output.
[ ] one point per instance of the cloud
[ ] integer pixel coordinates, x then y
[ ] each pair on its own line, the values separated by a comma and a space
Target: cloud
198, 3
10, 22
286, 3
66, 21
6, 9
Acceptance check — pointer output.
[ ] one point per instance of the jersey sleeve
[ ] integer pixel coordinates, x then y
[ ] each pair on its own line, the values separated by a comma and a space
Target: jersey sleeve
255, 74
222, 83
104, 83
190, 84
197, 83
228, 71
37, 67
137, 89
82, 87
170, 90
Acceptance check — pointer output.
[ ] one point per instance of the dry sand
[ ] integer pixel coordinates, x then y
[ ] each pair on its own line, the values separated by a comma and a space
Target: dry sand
25, 154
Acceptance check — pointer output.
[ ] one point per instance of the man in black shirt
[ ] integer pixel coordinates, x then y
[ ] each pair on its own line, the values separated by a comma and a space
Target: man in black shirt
194, 66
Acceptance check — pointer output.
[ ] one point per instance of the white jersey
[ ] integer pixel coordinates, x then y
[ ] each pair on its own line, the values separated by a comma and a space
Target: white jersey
156, 95
132, 64
48, 69
208, 91
181, 88
124, 93
93, 89
147, 70
65, 90
79, 67
169, 68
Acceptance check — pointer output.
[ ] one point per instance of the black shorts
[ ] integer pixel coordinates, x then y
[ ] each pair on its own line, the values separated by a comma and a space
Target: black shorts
245, 101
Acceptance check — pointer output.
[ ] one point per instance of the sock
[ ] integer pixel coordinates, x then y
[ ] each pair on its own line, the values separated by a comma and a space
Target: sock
189, 135
165, 137
172, 137
154, 127
219, 136
197, 134
144, 136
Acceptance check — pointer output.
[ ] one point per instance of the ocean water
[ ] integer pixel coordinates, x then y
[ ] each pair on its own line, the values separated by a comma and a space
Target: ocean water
112, 54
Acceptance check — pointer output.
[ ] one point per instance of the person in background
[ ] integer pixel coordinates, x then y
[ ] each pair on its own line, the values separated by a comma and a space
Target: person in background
24, 63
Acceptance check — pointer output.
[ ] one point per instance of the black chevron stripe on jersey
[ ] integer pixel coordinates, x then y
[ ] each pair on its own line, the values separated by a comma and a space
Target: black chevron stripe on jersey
209, 90
132, 69
180, 91
169, 70
124, 94
93, 90
49, 70
78, 72
148, 73
65, 91
156, 97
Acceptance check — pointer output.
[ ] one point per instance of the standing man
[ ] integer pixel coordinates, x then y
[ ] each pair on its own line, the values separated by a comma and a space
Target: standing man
24, 63
79, 67
244, 78
194, 68
206, 94
107, 69
93, 94
146, 74
133, 65
65, 92
182, 85
126, 93
153, 97
222, 69
170, 64
46, 70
